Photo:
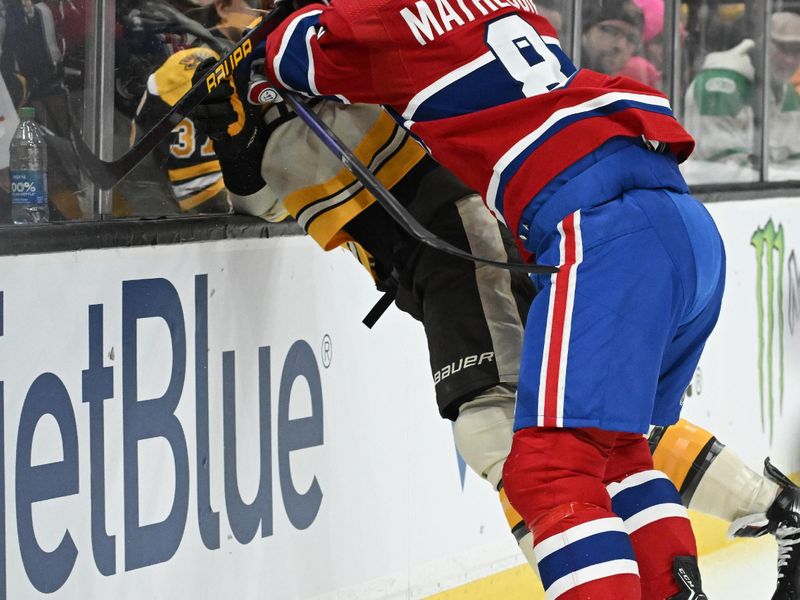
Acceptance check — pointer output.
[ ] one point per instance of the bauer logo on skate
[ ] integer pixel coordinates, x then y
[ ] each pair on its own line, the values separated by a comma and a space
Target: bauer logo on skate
110, 421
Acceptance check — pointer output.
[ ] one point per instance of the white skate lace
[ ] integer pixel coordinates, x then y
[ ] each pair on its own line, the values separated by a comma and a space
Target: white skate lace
741, 525
787, 537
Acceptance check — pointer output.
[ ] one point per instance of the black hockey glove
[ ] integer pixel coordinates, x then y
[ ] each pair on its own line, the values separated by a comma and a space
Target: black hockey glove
236, 128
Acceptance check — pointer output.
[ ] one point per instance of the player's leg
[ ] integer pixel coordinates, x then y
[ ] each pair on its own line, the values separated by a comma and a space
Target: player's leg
473, 320
585, 381
483, 432
697, 251
593, 358
554, 477
712, 479
656, 521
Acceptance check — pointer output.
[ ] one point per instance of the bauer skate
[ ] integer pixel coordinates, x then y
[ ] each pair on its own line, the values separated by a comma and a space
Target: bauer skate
782, 519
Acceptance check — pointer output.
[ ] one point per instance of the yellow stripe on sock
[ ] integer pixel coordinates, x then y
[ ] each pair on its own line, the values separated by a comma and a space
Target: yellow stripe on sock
512, 516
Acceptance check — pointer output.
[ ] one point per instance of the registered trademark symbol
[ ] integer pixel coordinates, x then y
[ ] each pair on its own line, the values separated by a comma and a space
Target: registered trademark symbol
697, 383
327, 351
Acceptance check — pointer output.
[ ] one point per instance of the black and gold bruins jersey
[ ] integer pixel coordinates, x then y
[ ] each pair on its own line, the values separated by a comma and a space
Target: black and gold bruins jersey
337, 197
187, 158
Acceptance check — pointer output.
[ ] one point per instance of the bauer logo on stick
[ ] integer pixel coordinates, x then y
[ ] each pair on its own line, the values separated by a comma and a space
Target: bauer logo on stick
224, 70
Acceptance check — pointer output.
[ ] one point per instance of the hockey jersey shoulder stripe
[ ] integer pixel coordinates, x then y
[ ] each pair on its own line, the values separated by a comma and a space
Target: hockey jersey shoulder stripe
391, 170
440, 84
378, 160
334, 220
324, 209
480, 84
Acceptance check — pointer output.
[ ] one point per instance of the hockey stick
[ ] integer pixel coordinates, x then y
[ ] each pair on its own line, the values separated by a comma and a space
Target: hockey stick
106, 174
396, 210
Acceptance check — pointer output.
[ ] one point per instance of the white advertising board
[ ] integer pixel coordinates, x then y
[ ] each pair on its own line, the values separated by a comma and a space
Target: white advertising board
747, 390
212, 420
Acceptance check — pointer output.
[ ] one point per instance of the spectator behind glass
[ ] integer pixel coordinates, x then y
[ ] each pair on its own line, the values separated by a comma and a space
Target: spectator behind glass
719, 109
34, 68
648, 67
229, 17
612, 32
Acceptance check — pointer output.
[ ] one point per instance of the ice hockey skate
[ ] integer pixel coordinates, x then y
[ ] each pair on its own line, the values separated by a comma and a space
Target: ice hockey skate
782, 519
687, 575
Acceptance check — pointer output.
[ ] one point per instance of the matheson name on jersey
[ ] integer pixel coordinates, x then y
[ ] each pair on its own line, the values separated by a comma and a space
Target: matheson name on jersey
432, 18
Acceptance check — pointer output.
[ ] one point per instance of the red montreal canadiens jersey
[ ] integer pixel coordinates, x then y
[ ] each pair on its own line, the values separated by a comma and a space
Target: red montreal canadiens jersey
483, 84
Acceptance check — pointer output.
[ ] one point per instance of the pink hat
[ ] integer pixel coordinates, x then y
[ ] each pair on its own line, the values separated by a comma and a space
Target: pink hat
653, 11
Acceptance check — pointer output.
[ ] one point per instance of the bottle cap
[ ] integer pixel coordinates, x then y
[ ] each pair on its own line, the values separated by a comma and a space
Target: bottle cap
27, 112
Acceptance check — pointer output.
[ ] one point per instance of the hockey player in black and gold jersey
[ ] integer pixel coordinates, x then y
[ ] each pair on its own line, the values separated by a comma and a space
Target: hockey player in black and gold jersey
187, 159
188, 165
276, 166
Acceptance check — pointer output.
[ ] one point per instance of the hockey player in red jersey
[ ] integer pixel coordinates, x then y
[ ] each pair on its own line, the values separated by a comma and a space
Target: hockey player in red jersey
583, 170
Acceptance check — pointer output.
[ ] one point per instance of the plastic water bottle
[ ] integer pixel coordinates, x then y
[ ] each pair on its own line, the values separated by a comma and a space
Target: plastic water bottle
28, 157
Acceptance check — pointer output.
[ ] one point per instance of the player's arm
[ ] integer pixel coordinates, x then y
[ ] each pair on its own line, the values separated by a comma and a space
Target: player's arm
314, 52
239, 137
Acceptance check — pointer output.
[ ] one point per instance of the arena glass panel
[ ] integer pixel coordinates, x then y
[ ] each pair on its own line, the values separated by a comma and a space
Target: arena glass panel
157, 56
43, 66
114, 67
740, 91
781, 92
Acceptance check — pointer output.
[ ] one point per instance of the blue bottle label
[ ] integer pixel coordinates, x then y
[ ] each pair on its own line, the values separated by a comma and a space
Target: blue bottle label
28, 187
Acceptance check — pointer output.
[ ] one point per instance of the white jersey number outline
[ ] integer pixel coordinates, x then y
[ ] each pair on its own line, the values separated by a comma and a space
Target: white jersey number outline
525, 55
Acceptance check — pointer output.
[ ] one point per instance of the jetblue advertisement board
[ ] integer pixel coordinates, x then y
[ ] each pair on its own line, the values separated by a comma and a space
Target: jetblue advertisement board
212, 420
